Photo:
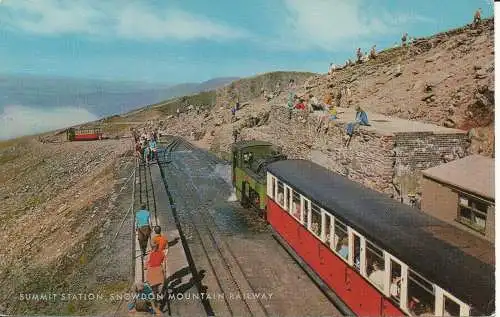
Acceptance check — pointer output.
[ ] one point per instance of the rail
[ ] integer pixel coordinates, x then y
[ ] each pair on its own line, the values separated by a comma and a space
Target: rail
225, 272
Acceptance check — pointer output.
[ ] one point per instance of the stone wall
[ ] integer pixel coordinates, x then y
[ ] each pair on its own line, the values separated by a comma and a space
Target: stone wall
367, 159
389, 163
417, 151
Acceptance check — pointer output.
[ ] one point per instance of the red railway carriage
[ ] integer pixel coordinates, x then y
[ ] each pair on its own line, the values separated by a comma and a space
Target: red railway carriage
84, 134
380, 257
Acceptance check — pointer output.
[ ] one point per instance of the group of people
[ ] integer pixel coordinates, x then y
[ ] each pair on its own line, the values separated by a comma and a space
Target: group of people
326, 111
155, 264
146, 145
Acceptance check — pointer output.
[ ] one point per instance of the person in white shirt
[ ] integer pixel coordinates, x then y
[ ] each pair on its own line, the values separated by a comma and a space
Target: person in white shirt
377, 276
395, 289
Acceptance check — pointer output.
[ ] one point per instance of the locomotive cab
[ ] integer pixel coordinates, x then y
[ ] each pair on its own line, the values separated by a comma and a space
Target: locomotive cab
249, 161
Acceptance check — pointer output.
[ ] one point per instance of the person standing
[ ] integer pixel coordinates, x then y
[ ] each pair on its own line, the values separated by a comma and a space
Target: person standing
235, 135
359, 55
162, 242
291, 97
143, 227
155, 269
403, 39
477, 17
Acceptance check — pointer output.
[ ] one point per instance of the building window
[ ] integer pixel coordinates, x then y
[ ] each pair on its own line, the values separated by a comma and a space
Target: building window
472, 212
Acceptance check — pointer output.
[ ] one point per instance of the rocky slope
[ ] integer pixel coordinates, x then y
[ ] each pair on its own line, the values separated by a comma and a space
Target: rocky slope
446, 79
61, 203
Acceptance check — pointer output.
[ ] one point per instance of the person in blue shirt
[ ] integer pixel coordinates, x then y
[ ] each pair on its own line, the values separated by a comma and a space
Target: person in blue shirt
143, 227
343, 248
152, 149
361, 116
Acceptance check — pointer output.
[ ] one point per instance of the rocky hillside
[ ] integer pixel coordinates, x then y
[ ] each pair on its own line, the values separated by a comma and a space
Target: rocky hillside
446, 79
61, 204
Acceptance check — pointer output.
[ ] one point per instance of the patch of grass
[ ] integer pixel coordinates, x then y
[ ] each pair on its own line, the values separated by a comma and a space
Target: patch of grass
33, 201
206, 99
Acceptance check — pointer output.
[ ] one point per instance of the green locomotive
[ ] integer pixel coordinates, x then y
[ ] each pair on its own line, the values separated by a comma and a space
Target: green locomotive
249, 171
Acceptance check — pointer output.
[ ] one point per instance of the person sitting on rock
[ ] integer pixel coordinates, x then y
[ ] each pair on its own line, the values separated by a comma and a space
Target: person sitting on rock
477, 17
332, 68
301, 105
361, 116
373, 53
365, 57
315, 105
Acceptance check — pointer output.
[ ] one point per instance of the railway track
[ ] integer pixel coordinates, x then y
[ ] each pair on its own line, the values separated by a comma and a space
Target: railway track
143, 192
227, 271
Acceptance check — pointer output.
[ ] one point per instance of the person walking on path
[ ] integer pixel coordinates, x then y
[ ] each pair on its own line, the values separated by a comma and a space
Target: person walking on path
155, 269
162, 242
143, 227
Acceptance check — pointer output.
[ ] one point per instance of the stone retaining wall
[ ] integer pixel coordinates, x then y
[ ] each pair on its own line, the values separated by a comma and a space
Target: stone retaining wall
388, 163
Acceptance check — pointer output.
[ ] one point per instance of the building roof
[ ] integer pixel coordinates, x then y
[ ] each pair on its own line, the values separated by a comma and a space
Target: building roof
474, 174
386, 125
412, 236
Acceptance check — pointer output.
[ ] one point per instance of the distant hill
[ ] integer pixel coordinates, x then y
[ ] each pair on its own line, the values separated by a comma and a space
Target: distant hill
101, 98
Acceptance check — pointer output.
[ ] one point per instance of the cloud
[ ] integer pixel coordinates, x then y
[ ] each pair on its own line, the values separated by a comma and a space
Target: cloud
332, 25
136, 21
128, 19
17, 121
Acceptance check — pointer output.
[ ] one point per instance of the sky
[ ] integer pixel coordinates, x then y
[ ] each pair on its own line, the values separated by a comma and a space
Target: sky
174, 41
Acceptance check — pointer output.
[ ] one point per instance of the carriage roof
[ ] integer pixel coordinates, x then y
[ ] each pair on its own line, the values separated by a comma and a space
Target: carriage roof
457, 261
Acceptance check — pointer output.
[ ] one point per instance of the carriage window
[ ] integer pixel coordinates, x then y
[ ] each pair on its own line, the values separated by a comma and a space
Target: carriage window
420, 295
357, 252
306, 212
375, 265
341, 240
281, 194
296, 205
395, 288
328, 223
288, 196
315, 219
450, 307
273, 187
